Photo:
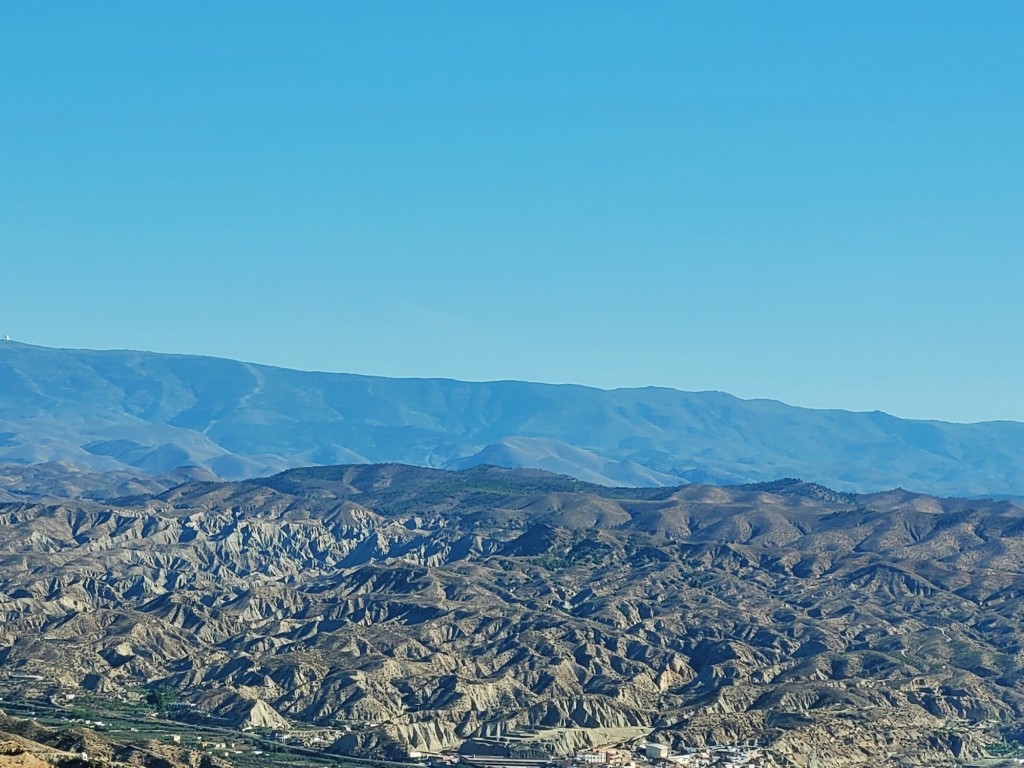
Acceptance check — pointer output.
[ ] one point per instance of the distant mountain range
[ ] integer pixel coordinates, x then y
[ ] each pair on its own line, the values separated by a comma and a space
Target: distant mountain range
118, 410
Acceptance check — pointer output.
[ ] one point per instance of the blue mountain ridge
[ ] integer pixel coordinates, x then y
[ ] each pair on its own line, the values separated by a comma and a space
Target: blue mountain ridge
154, 412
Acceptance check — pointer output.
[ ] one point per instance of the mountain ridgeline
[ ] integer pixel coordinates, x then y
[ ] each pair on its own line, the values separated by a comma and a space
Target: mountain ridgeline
117, 410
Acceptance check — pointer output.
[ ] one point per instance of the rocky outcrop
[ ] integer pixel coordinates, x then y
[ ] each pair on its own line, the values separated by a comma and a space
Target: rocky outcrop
25, 744
242, 710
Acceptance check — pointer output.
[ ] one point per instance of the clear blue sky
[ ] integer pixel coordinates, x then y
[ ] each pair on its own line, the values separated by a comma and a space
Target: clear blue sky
818, 202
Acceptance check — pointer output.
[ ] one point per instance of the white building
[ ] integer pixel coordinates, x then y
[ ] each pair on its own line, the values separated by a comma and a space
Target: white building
656, 751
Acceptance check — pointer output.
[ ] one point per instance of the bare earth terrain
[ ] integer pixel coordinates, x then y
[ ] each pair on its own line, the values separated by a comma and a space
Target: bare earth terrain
415, 608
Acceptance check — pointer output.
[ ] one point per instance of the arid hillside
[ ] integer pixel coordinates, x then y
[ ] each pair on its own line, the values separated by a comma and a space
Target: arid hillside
423, 608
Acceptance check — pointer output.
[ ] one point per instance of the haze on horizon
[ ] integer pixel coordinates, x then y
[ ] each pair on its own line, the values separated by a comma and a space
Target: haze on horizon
813, 203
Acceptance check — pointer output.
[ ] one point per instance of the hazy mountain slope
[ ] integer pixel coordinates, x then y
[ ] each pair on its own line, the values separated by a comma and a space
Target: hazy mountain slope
556, 456
62, 481
114, 409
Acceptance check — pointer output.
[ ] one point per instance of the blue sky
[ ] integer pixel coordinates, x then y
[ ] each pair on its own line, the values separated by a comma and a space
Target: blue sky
813, 202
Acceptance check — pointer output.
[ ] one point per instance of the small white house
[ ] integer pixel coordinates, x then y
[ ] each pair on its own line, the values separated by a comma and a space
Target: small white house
656, 751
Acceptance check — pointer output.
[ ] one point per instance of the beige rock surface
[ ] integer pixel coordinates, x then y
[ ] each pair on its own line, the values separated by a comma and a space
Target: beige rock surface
442, 606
